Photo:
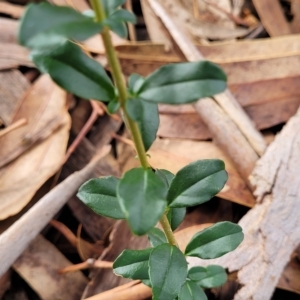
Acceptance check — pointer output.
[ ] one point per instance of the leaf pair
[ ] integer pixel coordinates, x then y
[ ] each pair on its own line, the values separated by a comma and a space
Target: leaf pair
210, 277
142, 196
165, 266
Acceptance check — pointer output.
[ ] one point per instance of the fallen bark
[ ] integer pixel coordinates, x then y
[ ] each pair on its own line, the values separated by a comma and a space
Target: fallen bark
17, 238
271, 227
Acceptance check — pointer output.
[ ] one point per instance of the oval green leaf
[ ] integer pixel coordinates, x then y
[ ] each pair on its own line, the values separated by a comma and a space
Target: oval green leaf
165, 175
156, 237
142, 195
42, 23
147, 118
75, 72
167, 271
183, 83
215, 241
100, 195
197, 183
111, 5
191, 291
135, 81
209, 277
133, 264
176, 216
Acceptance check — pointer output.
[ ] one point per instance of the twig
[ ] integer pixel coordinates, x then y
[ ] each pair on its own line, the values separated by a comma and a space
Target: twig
122, 139
131, 29
16, 238
89, 263
13, 126
134, 290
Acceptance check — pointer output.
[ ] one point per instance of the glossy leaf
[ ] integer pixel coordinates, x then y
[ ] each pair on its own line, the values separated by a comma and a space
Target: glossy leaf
117, 27
176, 216
111, 5
183, 83
113, 106
167, 271
165, 175
135, 81
197, 183
215, 241
147, 282
146, 115
210, 277
133, 264
100, 195
123, 15
42, 25
142, 194
191, 291
156, 237
75, 72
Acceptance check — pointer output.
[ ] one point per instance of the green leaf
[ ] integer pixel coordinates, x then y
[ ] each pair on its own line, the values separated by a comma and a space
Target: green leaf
43, 23
146, 115
156, 237
117, 27
100, 195
183, 83
147, 282
215, 241
176, 216
111, 5
123, 16
133, 264
167, 271
113, 106
142, 194
191, 291
75, 72
165, 175
135, 81
197, 183
210, 277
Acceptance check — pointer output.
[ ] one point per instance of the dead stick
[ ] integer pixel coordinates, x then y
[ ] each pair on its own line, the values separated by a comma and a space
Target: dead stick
13, 126
17, 237
133, 290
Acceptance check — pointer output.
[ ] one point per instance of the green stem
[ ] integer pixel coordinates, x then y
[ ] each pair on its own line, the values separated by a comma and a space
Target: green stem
118, 79
164, 222
133, 127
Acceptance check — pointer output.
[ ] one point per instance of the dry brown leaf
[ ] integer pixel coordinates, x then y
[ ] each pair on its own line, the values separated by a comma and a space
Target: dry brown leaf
13, 56
21, 178
204, 26
8, 32
10, 9
39, 266
11, 93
